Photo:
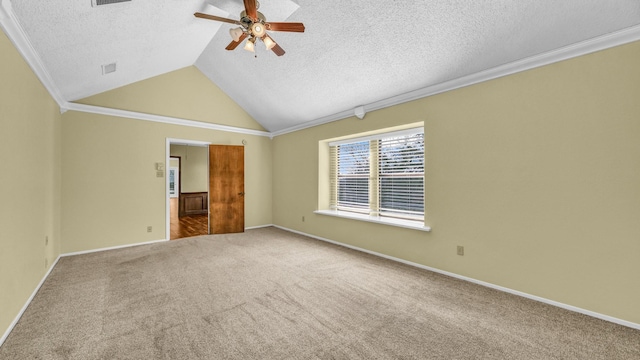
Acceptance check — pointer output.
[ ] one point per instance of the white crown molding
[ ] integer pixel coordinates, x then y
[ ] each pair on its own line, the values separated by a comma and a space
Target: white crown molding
571, 51
18, 37
161, 119
11, 26
323, 120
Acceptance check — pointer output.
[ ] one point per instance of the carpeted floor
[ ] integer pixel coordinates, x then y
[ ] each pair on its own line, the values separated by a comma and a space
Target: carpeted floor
271, 294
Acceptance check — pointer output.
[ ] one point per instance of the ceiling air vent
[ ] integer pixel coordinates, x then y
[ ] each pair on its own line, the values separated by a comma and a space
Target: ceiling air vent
108, 69
106, 2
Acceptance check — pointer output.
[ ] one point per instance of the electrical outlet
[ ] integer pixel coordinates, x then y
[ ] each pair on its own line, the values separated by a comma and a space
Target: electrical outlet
46, 240
303, 219
149, 228
460, 250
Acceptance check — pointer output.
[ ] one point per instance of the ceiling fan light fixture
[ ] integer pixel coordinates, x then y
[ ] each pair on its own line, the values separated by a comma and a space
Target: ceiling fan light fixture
258, 29
249, 46
253, 25
268, 42
236, 33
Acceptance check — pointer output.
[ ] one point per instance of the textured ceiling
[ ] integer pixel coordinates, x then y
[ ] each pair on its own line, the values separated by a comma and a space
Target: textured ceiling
352, 53
144, 37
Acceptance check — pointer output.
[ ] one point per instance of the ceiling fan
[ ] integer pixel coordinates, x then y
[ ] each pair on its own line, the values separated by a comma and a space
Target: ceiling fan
254, 26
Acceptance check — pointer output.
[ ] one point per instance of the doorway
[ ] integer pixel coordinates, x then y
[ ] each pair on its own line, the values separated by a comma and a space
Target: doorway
207, 194
187, 189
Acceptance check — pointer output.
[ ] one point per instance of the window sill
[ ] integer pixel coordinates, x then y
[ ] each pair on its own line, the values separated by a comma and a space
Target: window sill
415, 225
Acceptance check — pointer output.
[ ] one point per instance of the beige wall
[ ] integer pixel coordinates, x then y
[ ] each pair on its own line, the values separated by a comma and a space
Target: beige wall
195, 167
110, 190
185, 93
29, 182
103, 207
536, 174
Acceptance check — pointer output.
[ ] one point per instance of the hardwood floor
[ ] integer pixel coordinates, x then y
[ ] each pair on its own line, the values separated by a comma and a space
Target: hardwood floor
186, 226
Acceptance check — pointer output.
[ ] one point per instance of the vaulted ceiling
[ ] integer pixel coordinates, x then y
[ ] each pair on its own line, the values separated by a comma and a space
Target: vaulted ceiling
352, 53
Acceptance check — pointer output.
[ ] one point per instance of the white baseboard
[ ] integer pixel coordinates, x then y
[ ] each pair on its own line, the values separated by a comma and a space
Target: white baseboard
258, 227
479, 282
138, 244
112, 248
46, 275
44, 278
26, 304
486, 284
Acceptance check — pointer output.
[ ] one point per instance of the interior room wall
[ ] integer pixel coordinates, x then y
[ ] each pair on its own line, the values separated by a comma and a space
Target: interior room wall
110, 192
186, 93
29, 182
536, 174
195, 167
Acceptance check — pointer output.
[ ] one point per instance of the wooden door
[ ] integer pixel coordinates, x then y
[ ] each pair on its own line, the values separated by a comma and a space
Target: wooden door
226, 189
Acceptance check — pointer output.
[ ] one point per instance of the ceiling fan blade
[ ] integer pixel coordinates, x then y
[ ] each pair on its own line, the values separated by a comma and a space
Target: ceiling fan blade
278, 50
216, 18
234, 44
285, 26
251, 9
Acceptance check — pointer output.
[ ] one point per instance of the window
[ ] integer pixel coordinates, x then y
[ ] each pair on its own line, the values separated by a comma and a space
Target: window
380, 176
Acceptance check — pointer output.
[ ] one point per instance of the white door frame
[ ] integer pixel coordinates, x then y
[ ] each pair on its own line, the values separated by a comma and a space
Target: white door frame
169, 142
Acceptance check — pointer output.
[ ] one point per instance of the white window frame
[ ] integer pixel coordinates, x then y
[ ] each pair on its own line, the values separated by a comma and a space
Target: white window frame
370, 214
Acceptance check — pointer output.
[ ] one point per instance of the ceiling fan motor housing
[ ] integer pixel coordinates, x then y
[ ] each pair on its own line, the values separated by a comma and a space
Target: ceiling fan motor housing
254, 27
248, 21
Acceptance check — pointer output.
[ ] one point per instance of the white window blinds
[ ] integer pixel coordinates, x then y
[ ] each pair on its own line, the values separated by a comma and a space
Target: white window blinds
352, 176
381, 175
401, 175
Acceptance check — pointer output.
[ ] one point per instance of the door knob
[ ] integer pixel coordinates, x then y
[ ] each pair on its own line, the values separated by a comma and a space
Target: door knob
241, 193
